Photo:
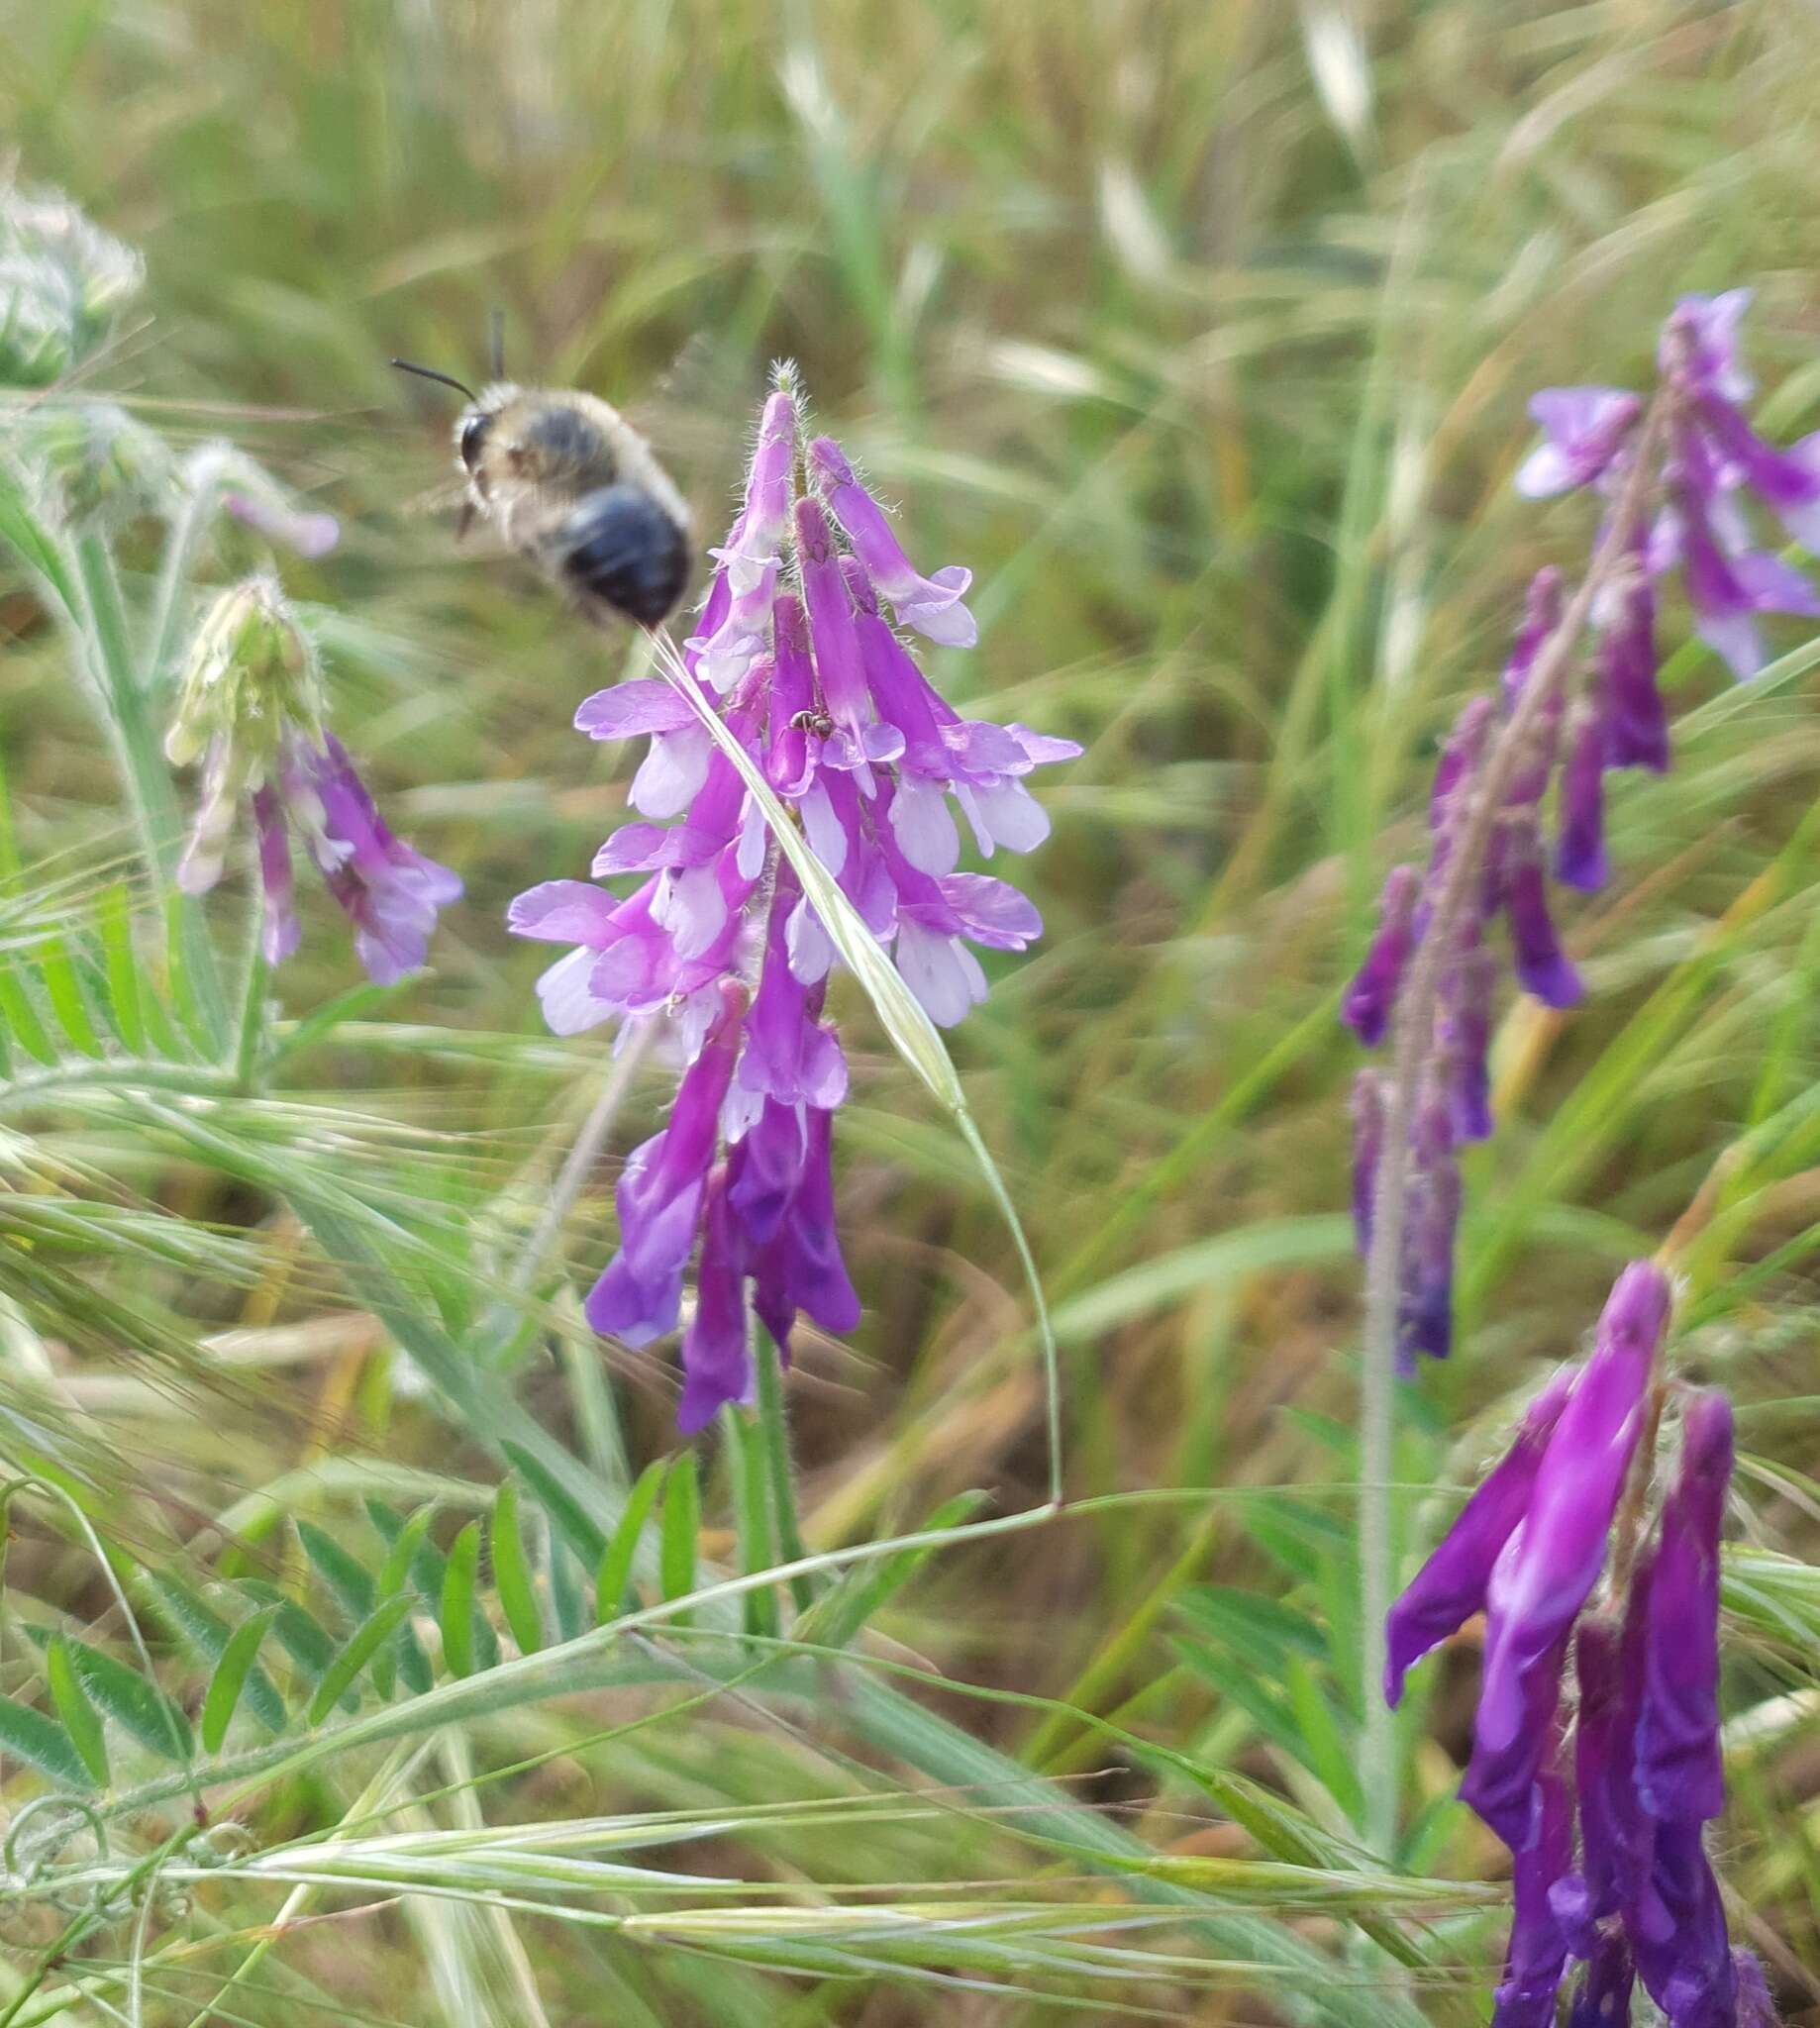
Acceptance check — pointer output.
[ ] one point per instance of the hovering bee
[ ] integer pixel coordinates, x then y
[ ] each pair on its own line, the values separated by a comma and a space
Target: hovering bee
573, 488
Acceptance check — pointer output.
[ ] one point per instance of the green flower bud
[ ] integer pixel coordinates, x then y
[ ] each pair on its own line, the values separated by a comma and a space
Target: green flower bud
250, 677
63, 282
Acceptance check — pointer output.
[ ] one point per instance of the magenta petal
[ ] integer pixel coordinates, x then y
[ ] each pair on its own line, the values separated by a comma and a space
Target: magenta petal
1537, 1955
1680, 1769
1583, 430
279, 929
633, 710
1548, 1569
1451, 1586
717, 1366
564, 912
1368, 1001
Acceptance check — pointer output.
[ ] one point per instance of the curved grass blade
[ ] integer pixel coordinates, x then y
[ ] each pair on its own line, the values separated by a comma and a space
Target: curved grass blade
912, 1034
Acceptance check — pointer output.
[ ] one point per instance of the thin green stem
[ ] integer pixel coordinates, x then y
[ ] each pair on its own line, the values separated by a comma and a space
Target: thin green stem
774, 1440
101, 621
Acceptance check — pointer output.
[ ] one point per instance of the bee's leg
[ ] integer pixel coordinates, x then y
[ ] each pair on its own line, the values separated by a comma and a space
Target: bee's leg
466, 520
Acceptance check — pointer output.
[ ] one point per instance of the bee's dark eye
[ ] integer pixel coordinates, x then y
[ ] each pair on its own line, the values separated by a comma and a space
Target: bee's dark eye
474, 435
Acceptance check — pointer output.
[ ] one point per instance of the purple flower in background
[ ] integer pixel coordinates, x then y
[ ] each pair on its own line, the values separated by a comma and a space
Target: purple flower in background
250, 709
794, 651
1682, 473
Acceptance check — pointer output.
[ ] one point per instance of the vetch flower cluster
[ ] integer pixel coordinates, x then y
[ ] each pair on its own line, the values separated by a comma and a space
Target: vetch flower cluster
62, 281
798, 648
1638, 1763
251, 710
1679, 473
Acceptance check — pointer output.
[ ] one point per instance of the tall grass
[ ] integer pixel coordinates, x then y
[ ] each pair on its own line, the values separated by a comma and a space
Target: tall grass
1203, 334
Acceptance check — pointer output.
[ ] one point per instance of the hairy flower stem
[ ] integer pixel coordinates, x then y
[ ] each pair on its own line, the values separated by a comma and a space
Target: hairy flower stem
101, 623
1412, 1040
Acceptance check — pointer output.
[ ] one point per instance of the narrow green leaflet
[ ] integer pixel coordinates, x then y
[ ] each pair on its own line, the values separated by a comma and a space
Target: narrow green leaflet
230, 1677
681, 1524
512, 1572
137, 1706
460, 1575
615, 1573
361, 1645
44, 1744
81, 1719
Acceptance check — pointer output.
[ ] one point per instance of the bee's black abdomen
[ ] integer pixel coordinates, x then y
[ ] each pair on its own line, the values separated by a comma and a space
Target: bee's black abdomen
620, 545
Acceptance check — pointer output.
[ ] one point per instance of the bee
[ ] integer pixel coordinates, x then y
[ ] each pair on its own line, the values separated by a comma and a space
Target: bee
816, 722
573, 488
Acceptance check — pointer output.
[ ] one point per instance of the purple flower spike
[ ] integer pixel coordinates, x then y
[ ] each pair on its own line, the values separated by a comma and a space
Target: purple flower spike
718, 938
801, 1269
1583, 431
1680, 1771
1451, 1586
929, 605
1365, 1010
1541, 616
1549, 1567
1537, 1955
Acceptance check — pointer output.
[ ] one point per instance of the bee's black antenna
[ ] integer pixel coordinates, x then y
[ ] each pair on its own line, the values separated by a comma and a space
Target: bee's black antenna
496, 342
430, 374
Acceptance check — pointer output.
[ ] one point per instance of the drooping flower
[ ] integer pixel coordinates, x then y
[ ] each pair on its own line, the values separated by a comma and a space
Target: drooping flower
1545, 1572
251, 710
794, 653
1639, 1902
1451, 1586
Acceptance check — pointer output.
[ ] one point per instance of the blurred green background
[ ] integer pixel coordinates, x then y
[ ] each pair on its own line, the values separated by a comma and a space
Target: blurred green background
1202, 331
